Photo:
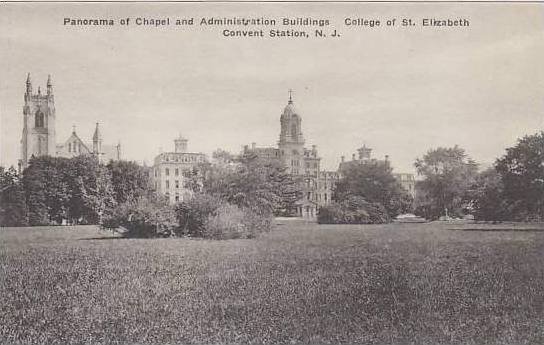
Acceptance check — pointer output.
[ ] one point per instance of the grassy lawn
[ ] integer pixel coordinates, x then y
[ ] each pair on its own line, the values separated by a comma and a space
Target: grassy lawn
301, 283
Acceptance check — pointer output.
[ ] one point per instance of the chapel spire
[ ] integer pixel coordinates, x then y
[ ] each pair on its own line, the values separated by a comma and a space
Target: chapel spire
28, 85
49, 85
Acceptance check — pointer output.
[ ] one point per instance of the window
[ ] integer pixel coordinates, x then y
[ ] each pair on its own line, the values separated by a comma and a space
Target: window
177, 184
167, 171
69, 147
39, 121
177, 198
177, 172
167, 184
325, 196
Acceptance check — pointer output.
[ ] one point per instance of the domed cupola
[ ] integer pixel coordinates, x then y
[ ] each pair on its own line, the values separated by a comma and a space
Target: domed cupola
291, 123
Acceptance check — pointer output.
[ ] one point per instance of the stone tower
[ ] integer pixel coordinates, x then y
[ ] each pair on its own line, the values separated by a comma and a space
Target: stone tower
38, 137
291, 143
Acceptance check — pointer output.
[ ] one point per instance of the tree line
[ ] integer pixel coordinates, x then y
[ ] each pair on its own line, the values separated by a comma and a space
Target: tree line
81, 190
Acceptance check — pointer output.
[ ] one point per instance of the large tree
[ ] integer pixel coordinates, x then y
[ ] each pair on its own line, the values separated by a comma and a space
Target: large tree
47, 191
488, 200
448, 175
13, 211
57, 188
91, 191
522, 173
373, 180
262, 184
129, 180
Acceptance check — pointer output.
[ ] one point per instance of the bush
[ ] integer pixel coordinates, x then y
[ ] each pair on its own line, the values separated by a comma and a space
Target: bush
211, 217
192, 214
225, 223
353, 210
142, 217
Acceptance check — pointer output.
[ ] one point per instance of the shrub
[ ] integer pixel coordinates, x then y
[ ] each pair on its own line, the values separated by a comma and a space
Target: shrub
192, 214
211, 217
142, 217
353, 210
225, 223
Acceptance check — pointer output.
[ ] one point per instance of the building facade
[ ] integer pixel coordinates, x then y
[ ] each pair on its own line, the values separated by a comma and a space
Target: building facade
170, 169
317, 185
39, 132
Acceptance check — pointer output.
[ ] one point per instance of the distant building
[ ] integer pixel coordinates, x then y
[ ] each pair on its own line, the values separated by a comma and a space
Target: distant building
408, 182
74, 146
300, 161
39, 133
169, 169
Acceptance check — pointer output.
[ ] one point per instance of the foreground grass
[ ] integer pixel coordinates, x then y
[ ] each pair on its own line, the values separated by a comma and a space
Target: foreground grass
389, 284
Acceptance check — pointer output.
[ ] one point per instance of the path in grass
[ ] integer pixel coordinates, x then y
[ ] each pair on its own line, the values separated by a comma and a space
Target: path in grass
302, 283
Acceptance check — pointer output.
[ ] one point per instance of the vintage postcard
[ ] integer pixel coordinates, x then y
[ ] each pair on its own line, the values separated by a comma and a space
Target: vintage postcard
280, 172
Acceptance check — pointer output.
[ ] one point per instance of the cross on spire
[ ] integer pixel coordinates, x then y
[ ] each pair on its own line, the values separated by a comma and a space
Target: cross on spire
290, 96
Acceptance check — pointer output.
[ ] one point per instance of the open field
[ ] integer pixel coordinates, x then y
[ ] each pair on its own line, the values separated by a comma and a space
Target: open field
301, 283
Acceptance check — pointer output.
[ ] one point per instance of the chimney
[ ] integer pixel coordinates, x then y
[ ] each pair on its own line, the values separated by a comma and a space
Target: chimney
253, 146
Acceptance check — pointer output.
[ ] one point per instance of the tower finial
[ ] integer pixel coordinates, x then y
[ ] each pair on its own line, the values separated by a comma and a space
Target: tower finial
73, 129
290, 96
28, 84
49, 85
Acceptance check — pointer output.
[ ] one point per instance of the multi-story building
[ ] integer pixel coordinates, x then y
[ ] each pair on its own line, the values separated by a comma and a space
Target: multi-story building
170, 169
408, 182
39, 133
300, 161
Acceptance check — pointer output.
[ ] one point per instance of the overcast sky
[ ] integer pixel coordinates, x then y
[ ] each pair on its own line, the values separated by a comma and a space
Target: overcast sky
399, 91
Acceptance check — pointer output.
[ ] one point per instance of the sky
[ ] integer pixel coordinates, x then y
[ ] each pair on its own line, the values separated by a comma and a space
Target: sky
401, 91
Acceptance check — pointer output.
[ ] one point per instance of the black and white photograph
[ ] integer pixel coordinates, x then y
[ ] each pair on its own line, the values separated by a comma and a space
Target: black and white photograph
272, 172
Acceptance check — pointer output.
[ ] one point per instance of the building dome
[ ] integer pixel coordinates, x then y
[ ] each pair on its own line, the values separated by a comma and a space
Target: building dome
290, 110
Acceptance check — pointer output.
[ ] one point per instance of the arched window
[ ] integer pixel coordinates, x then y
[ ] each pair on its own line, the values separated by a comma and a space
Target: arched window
39, 121
294, 130
69, 147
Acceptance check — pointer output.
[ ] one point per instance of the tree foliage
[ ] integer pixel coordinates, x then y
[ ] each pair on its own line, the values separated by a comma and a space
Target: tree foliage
47, 190
353, 209
259, 184
489, 202
129, 180
13, 211
448, 175
77, 189
522, 173
373, 181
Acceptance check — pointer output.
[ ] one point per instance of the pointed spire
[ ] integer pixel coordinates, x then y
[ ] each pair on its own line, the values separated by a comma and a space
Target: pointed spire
73, 129
290, 96
49, 85
28, 84
97, 135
